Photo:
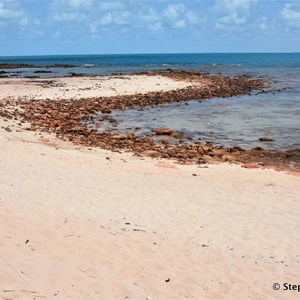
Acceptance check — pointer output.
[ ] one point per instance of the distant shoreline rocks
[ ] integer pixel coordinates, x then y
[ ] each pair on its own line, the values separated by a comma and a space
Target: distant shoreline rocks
30, 66
42, 72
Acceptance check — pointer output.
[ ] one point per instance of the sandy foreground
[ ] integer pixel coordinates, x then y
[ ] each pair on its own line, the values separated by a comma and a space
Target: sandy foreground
78, 223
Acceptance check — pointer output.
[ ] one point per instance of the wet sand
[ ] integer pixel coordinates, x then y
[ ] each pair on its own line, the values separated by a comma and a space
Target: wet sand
80, 222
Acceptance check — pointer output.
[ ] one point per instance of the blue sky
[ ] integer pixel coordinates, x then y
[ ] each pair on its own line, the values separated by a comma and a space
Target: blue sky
29, 27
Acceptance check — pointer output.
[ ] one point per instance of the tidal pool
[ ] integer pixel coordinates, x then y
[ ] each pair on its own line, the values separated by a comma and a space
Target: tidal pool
238, 121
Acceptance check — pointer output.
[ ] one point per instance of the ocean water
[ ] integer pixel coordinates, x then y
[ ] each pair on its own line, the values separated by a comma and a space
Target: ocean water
233, 63
237, 121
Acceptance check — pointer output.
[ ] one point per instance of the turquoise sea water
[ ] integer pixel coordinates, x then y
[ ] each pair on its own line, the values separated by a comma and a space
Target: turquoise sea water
214, 62
238, 121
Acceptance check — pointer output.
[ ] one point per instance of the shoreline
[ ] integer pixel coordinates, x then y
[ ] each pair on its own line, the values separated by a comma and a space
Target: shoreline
63, 117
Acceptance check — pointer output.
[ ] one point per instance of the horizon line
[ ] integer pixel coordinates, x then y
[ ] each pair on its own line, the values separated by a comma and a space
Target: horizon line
148, 53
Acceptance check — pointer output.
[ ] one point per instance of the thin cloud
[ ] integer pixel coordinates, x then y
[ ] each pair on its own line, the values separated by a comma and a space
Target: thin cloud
9, 13
174, 11
291, 13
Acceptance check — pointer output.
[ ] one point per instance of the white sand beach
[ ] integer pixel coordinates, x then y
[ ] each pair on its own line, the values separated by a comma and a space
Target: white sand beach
79, 223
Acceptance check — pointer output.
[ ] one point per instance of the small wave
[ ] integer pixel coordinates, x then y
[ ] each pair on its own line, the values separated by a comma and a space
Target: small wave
224, 65
89, 65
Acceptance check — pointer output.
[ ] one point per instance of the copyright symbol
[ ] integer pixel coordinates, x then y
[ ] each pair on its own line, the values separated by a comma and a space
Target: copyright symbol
276, 286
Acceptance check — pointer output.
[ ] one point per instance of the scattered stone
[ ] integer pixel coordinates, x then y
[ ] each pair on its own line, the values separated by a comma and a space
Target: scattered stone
7, 129
73, 74
163, 131
119, 137
131, 135
42, 72
178, 135
135, 229
266, 139
251, 166
105, 111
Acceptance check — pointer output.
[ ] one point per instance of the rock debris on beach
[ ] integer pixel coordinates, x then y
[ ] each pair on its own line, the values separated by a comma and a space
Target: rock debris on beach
65, 118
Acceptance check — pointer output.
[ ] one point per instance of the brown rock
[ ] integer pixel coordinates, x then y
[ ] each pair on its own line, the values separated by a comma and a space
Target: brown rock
200, 150
119, 137
131, 135
250, 166
106, 111
163, 131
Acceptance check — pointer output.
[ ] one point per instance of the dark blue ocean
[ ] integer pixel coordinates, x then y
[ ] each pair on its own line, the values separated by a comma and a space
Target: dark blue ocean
229, 122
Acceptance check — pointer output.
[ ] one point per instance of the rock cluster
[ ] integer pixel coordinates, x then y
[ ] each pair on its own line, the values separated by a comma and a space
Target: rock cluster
65, 119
